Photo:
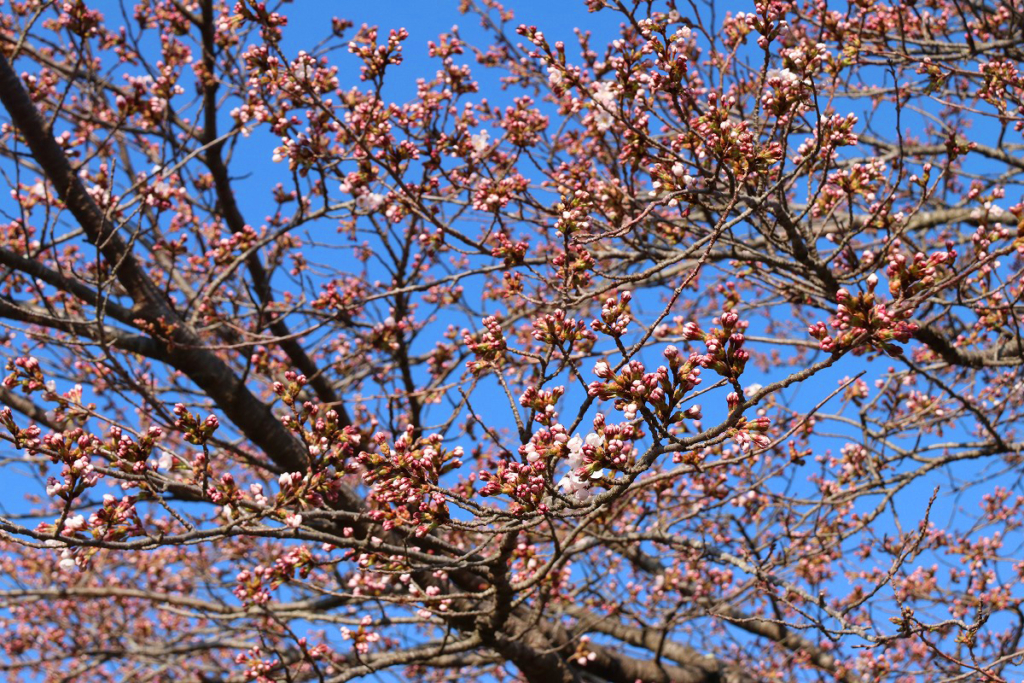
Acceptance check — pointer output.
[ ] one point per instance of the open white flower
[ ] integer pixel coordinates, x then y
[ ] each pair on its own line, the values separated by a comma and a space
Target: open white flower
480, 141
369, 202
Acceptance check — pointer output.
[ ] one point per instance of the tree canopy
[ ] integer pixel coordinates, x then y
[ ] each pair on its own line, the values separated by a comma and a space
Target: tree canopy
689, 353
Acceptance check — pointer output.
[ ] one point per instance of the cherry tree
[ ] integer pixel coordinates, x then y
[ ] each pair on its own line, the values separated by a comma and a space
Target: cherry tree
692, 355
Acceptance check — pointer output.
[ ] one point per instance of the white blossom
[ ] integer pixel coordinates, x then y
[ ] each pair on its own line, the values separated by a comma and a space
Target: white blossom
67, 562
480, 141
369, 202
604, 92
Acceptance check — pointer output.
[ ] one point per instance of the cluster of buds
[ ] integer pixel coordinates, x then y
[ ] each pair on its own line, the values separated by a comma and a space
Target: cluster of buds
575, 267
492, 195
725, 354
631, 387
327, 441
862, 316
158, 189
673, 179
488, 346
69, 405
362, 638
80, 20
116, 519
257, 668
785, 93
750, 434
300, 490
309, 73
251, 587
833, 131
388, 334
522, 482
270, 23
545, 444
23, 438
131, 455
542, 402
555, 329
573, 215
991, 230
288, 392
526, 562
196, 432
74, 451
432, 241
25, 373
376, 58
225, 492
227, 249
523, 123
853, 464
404, 480
856, 390
583, 654
511, 252
908, 278
769, 21
615, 315
661, 391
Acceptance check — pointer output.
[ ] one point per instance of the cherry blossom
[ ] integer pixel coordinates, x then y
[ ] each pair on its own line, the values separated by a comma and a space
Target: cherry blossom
685, 346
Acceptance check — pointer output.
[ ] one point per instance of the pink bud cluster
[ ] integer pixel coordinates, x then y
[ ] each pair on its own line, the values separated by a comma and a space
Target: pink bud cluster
196, 431
257, 668
862, 316
404, 480
511, 252
908, 278
725, 353
362, 638
227, 249
556, 329
523, 123
833, 132
377, 58
573, 215
493, 195
389, 334
750, 434
575, 267
661, 391
341, 297
25, 373
545, 444
116, 520
292, 390
488, 346
127, 453
615, 315
542, 402
522, 482
327, 442
23, 438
